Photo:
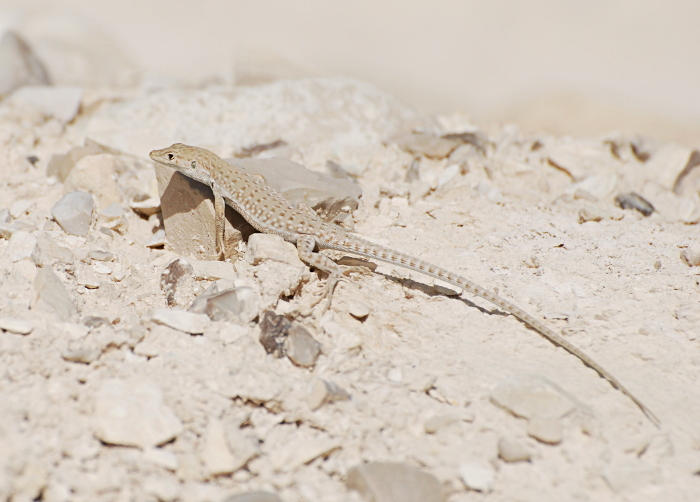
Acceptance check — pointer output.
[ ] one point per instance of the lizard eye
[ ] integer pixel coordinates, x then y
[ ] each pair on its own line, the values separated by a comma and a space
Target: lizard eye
170, 156
194, 164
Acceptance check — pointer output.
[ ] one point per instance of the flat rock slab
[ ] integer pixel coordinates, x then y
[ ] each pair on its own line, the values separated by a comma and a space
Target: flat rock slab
530, 396
394, 482
17, 326
50, 295
74, 212
133, 413
187, 322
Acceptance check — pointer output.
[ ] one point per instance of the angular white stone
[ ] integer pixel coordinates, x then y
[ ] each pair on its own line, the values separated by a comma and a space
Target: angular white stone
530, 396
74, 212
179, 319
61, 102
133, 413
22, 245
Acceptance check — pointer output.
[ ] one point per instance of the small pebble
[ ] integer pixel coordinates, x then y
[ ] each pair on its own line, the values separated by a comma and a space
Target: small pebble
530, 396
633, 200
691, 255
358, 309
545, 430
323, 392
17, 326
512, 450
254, 497
274, 330
394, 482
157, 240
478, 476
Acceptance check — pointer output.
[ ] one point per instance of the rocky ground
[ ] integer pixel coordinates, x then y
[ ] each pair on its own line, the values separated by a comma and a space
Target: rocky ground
111, 389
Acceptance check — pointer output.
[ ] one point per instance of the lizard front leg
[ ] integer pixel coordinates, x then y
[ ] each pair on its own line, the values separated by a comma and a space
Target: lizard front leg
305, 248
219, 222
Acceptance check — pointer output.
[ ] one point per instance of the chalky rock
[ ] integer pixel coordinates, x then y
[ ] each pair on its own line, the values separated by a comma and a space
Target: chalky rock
96, 175
22, 246
394, 482
177, 282
165, 489
301, 348
20, 208
226, 451
272, 247
180, 320
74, 213
545, 430
323, 391
145, 205
60, 165
18, 64
50, 295
17, 326
60, 102
48, 253
254, 497
239, 305
157, 240
213, 270
358, 310
513, 450
530, 396
478, 476
133, 413
629, 476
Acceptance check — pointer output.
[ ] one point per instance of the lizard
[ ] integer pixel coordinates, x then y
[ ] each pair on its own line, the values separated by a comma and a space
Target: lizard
269, 212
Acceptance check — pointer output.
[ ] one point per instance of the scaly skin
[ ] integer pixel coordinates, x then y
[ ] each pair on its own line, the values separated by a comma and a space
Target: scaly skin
270, 213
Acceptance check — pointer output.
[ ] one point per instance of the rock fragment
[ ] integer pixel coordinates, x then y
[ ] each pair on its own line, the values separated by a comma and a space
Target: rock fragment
545, 430
22, 246
530, 396
133, 413
429, 145
48, 253
513, 450
145, 205
157, 240
358, 310
323, 391
114, 218
272, 247
478, 476
17, 326
633, 200
187, 322
394, 482
274, 330
74, 213
301, 348
213, 270
60, 102
163, 488
216, 455
691, 255
238, 305
631, 476
254, 497
50, 295
18, 64
177, 282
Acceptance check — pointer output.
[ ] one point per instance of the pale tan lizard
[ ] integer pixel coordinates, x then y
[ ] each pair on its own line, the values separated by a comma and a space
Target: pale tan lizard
270, 213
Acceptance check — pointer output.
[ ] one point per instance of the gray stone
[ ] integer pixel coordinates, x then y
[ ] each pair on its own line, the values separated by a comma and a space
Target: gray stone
301, 348
512, 450
21, 246
133, 413
180, 320
18, 64
18, 326
545, 430
50, 295
633, 200
478, 476
394, 482
74, 212
60, 102
238, 305
274, 330
530, 396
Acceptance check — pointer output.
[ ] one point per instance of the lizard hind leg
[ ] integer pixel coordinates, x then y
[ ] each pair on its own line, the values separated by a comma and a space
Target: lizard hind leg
305, 248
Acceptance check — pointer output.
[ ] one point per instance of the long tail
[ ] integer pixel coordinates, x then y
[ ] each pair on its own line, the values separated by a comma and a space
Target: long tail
369, 250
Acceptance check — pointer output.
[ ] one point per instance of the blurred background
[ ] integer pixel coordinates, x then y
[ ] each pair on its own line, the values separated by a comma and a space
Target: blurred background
566, 67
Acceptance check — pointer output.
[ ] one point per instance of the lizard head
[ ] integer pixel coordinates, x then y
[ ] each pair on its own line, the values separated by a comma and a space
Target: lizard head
191, 161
